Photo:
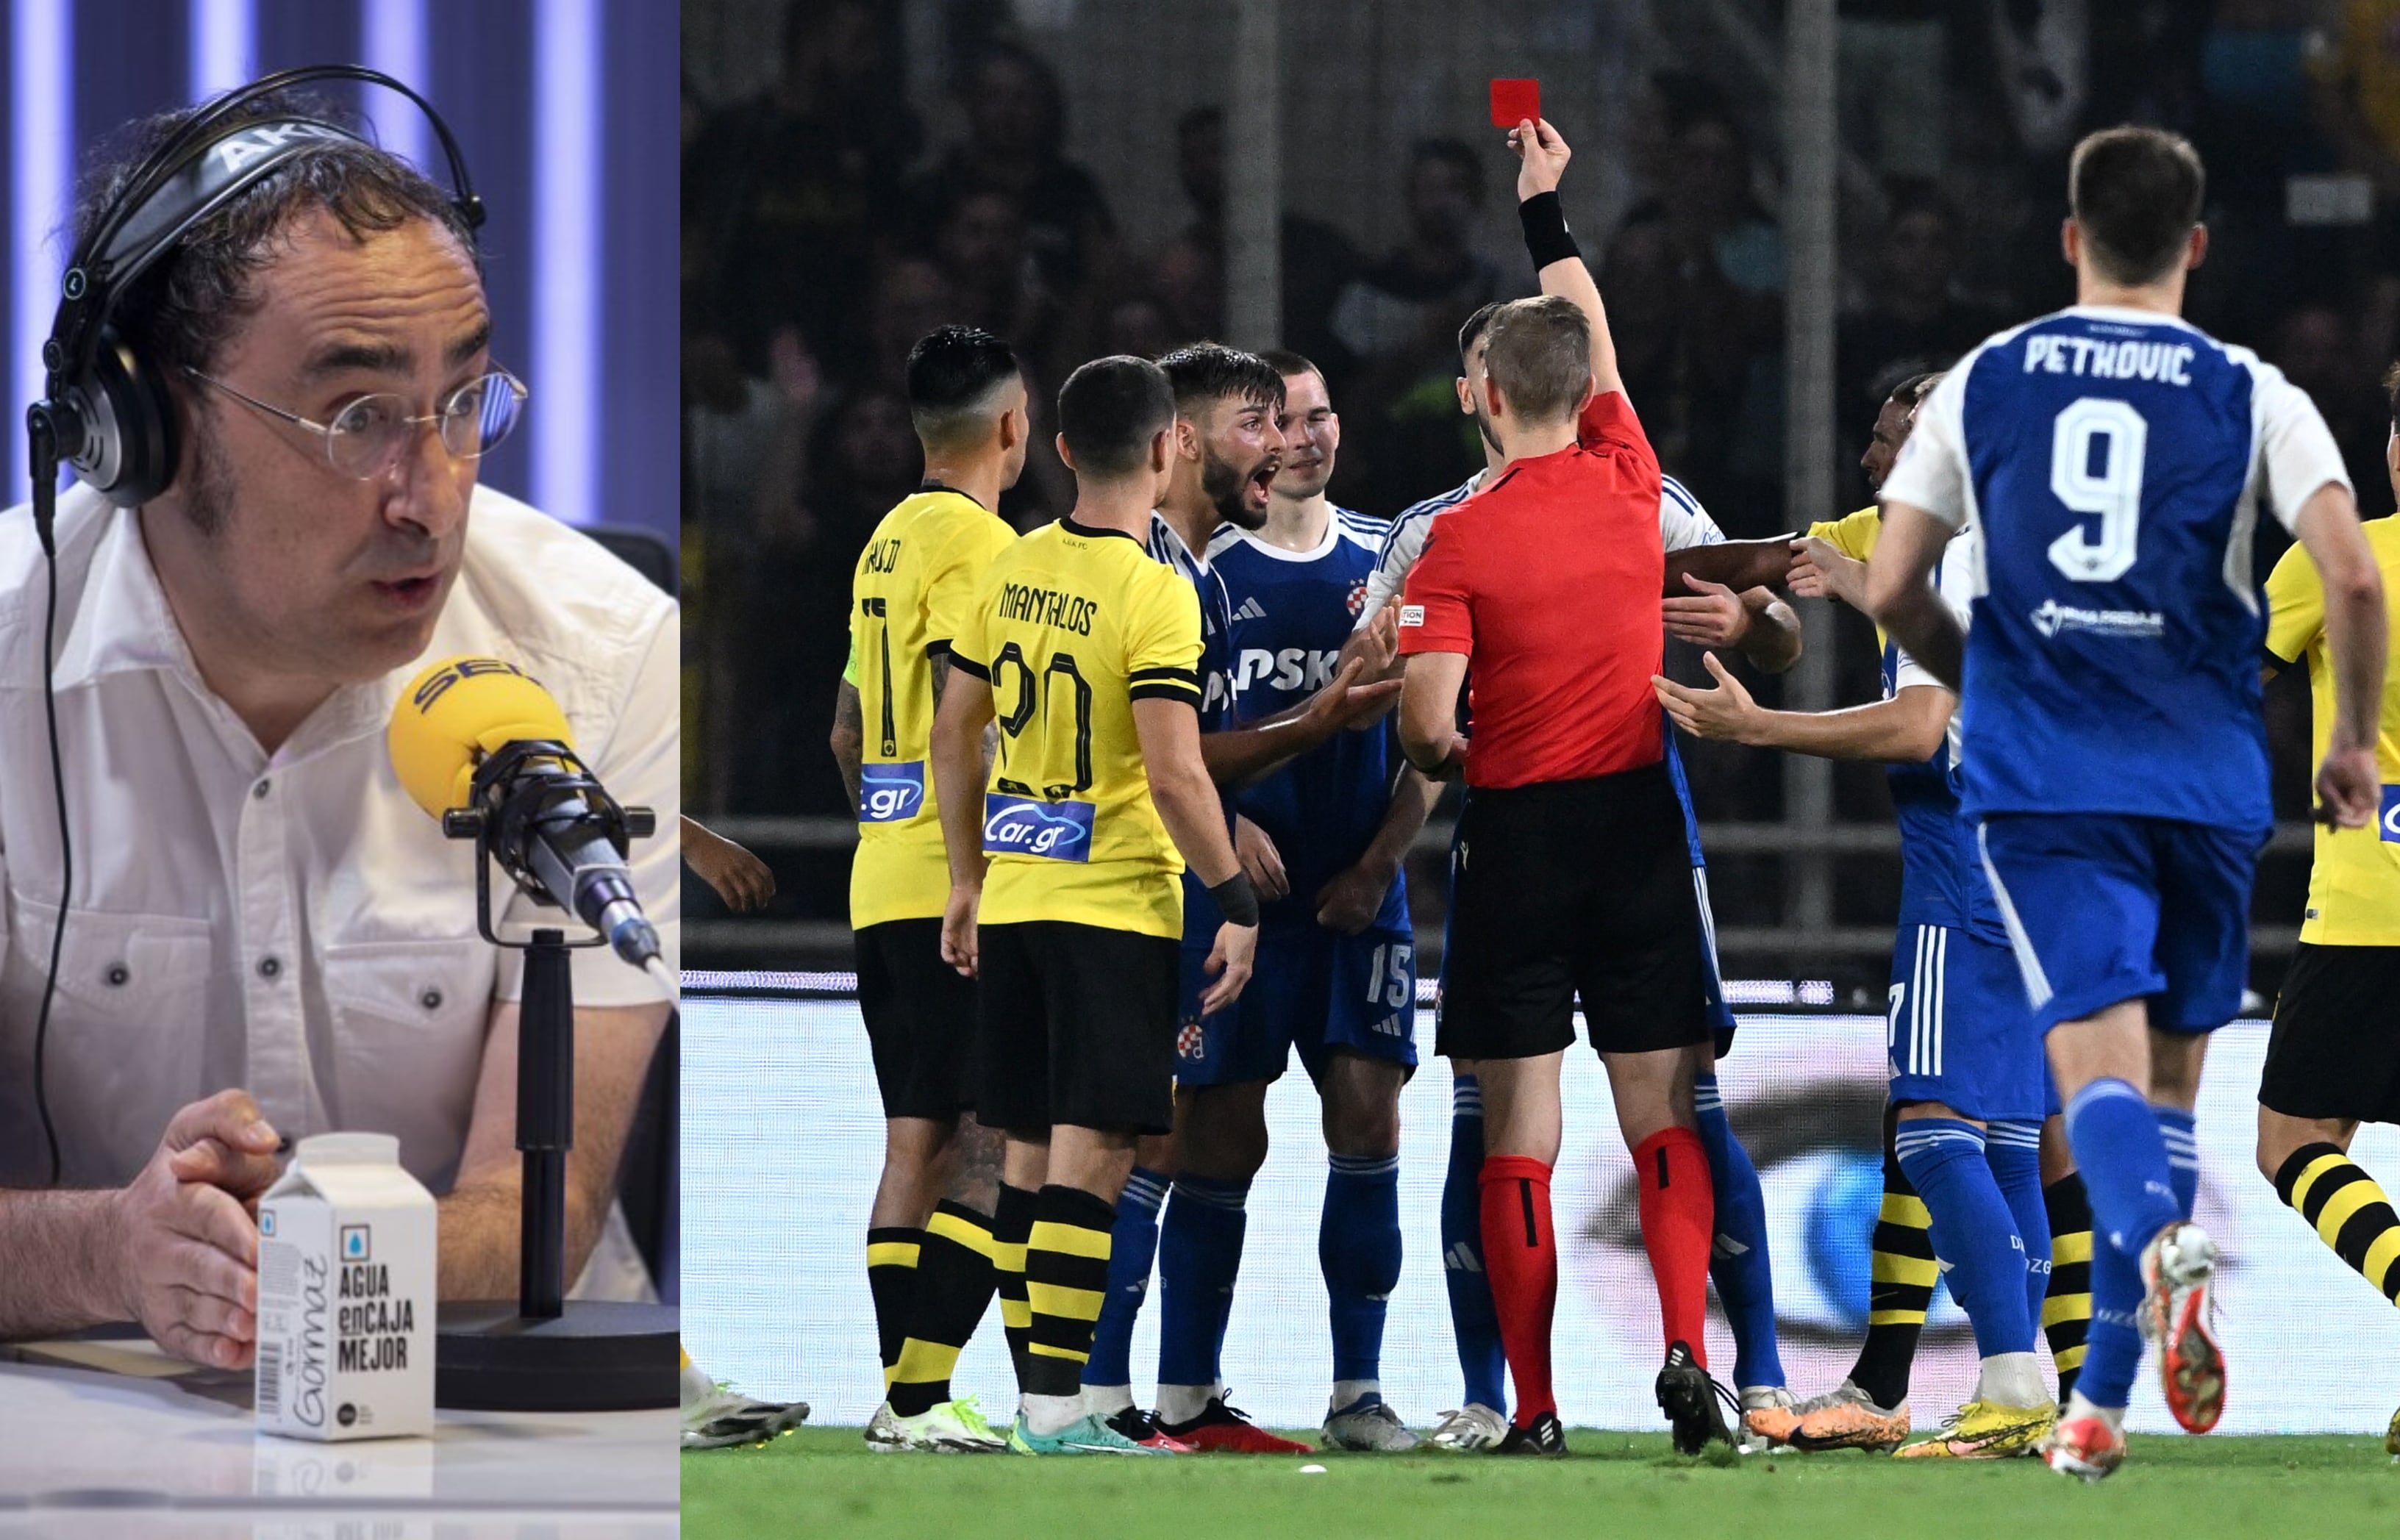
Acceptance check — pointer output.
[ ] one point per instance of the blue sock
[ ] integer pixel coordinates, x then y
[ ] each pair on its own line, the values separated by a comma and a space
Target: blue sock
2113, 1347
2177, 1127
1359, 1247
1199, 1252
2123, 1156
2013, 1151
1738, 1261
1473, 1320
1971, 1229
1131, 1245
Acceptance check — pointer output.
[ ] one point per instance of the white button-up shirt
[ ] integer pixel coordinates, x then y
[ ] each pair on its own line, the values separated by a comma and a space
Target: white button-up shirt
291, 923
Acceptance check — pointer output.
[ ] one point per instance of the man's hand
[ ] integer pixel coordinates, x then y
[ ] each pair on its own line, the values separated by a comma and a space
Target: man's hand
1228, 963
1541, 156
1376, 645
1716, 618
1351, 901
1726, 712
1347, 703
740, 878
959, 928
187, 1247
1261, 863
2349, 789
1820, 572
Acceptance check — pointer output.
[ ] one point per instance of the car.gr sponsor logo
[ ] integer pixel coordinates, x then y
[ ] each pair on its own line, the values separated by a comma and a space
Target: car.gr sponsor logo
2139, 625
890, 794
2389, 823
1019, 826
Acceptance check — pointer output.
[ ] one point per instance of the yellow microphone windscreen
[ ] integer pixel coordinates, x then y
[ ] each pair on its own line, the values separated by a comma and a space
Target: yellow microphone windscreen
455, 712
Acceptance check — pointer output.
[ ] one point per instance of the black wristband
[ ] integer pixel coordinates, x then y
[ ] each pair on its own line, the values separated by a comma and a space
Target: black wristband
1236, 900
1546, 237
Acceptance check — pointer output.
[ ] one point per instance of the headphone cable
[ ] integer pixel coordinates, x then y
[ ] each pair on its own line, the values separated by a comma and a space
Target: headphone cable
46, 492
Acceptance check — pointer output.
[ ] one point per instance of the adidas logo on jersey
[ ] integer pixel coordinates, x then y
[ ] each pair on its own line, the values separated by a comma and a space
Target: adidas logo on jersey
1251, 610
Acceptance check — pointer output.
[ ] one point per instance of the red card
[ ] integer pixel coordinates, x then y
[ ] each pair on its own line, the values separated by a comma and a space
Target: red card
1515, 101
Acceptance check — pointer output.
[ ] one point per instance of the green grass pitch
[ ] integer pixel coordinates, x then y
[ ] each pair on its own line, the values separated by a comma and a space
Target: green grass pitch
822, 1482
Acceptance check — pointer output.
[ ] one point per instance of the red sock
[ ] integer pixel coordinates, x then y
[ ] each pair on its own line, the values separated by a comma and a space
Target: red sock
1679, 1216
1520, 1256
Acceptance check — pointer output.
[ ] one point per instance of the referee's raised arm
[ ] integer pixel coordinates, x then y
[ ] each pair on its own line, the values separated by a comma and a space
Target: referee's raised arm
1542, 154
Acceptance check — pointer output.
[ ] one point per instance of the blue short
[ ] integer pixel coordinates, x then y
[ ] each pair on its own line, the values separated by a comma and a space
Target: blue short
2103, 908
1957, 1030
1313, 989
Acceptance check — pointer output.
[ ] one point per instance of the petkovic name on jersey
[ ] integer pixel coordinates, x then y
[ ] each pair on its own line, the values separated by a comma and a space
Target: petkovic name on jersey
2103, 358
891, 793
2132, 625
1023, 825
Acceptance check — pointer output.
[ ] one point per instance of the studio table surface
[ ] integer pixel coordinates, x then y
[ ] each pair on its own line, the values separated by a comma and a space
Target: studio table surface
119, 1433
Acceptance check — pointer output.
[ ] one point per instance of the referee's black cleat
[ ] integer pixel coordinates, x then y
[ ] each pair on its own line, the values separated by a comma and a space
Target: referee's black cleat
1545, 1438
1690, 1399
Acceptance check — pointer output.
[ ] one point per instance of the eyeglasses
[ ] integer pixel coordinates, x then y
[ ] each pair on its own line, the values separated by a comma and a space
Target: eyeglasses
367, 437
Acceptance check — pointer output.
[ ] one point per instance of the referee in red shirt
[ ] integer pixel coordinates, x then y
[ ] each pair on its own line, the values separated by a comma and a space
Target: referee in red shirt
1572, 873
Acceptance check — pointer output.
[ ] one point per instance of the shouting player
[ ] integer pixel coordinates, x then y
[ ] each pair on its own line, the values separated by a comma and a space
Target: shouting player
2115, 767
1228, 447
1085, 651
1706, 614
2332, 1062
1966, 1080
1571, 877
930, 1237
1321, 839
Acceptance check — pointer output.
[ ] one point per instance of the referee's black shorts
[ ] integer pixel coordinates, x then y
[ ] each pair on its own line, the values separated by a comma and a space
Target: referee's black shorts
921, 1019
1077, 1027
1567, 888
2335, 1050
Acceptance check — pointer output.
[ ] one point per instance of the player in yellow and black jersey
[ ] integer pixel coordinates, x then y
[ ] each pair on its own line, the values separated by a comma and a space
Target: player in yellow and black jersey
2333, 1060
930, 1234
1065, 896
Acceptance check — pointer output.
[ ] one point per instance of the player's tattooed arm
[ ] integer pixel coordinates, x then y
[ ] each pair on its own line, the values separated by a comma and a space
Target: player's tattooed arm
849, 738
939, 665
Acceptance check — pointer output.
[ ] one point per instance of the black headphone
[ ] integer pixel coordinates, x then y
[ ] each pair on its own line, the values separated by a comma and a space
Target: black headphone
105, 409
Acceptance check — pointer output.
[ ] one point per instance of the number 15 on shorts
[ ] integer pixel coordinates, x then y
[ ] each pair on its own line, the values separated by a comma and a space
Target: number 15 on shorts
1388, 975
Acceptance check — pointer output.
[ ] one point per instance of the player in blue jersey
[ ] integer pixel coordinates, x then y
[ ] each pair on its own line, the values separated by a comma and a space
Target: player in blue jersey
1229, 446
1324, 834
2114, 760
1966, 1079
1743, 614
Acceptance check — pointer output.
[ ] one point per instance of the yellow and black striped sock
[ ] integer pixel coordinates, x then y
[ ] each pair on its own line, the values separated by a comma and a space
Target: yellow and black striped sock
1066, 1280
954, 1279
1904, 1277
1011, 1222
891, 1268
2066, 1310
2350, 1213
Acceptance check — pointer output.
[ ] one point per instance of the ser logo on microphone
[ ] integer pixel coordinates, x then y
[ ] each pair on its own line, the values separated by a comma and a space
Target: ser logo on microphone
437, 683
1018, 825
890, 794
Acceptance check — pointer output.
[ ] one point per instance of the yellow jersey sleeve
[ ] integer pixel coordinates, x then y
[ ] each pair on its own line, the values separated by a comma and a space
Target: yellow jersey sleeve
1854, 535
954, 582
1163, 647
2295, 607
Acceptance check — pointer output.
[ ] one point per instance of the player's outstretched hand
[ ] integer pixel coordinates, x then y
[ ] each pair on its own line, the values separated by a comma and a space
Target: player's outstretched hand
740, 878
1715, 617
1726, 712
1261, 863
1376, 644
2349, 790
1348, 703
1351, 901
1541, 156
187, 1256
1228, 963
1820, 572
959, 929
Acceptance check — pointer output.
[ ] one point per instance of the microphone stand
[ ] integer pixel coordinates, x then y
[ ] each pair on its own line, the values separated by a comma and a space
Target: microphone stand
545, 1353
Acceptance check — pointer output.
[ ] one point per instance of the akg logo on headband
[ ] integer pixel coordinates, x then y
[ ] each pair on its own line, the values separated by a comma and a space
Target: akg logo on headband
237, 150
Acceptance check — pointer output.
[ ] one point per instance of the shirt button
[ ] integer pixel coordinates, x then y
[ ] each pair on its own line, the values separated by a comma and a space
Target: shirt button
117, 973
258, 792
431, 1000
269, 967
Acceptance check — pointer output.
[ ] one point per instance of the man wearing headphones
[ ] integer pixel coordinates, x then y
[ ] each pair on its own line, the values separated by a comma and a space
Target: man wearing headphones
263, 938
